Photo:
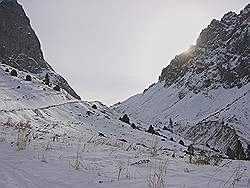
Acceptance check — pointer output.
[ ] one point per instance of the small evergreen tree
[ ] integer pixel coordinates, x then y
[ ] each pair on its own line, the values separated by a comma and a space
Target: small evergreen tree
28, 78
181, 143
13, 73
171, 139
133, 126
57, 88
46, 80
151, 129
94, 106
170, 124
7, 70
125, 119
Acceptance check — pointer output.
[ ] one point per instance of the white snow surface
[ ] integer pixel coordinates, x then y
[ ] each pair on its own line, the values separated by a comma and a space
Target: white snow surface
109, 153
158, 104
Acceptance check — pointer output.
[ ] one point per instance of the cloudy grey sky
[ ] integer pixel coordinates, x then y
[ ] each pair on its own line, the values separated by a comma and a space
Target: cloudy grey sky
109, 50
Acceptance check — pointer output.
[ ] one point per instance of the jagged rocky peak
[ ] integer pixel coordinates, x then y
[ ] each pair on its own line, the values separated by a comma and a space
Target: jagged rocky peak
219, 58
20, 47
204, 90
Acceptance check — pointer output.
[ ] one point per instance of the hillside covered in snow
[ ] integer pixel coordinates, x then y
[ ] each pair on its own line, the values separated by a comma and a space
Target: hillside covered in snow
204, 91
20, 47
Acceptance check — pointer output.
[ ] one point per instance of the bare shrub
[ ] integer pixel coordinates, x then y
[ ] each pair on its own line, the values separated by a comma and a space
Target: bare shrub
9, 123
155, 148
121, 167
76, 163
23, 135
156, 176
207, 159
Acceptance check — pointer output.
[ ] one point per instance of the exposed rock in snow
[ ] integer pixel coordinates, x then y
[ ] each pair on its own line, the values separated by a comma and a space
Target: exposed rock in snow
204, 90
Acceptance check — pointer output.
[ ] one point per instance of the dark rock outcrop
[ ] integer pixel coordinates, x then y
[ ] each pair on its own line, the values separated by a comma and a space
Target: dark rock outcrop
125, 119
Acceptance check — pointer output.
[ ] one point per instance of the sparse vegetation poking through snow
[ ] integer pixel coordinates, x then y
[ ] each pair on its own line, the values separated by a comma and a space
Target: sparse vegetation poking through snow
76, 163
207, 159
9, 123
45, 148
155, 148
121, 167
156, 174
23, 136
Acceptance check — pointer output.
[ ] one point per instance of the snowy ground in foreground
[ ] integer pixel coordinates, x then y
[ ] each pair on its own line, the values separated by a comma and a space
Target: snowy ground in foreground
50, 164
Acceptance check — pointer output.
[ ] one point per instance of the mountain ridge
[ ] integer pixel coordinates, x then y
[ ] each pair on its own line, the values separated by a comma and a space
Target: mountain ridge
203, 88
20, 46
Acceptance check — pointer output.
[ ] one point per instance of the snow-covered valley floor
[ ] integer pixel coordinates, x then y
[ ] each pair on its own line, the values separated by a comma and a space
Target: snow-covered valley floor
73, 162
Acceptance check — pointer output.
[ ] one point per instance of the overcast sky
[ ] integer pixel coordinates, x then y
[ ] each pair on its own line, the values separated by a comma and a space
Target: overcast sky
109, 50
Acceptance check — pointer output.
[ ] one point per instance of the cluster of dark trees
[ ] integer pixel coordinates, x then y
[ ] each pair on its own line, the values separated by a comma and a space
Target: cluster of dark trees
29, 78
153, 131
125, 119
238, 153
14, 73
47, 82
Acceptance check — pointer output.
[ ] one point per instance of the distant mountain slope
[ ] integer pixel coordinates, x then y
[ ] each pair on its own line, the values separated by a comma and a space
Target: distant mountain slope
52, 112
20, 47
205, 90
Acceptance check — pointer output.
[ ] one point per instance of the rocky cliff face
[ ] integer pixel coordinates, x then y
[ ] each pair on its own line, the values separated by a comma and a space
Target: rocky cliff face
204, 90
20, 47
219, 58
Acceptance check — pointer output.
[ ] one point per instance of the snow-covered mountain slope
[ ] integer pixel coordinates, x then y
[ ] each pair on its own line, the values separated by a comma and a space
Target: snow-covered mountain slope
73, 143
205, 90
20, 47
